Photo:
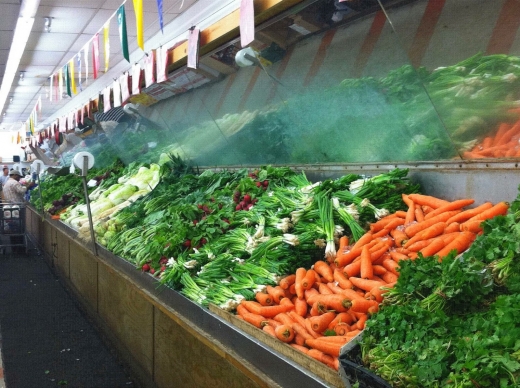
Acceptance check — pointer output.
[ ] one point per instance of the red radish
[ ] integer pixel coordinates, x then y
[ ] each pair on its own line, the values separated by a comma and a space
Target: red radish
187, 243
238, 207
163, 268
195, 222
199, 206
203, 241
163, 260
146, 267
258, 184
247, 198
152, 270
265, 183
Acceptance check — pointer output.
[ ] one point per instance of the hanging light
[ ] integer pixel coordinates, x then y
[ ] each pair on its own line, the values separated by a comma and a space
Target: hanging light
22, 75
47, 25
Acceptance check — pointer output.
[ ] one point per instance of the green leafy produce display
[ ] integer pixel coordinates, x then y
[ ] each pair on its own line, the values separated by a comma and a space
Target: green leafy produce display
453, 323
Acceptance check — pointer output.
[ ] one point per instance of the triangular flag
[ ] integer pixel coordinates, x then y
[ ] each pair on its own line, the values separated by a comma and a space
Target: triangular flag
39, 109
162, 64
106, 44
160, 11
149, 70
123, 84
67, 80
60, 84
51, 87
106, 99
78, 61
116, 93
95, 55
121, 22
138, 9
85, 56
72, 78
136, 79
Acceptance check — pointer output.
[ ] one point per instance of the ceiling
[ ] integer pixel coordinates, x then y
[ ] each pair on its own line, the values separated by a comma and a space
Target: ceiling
73, 24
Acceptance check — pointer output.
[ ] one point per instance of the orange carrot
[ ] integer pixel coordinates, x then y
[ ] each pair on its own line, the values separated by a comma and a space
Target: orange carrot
382, 233
431, 249
353, 269
394, 224
351, 294
364, 284
354, 252
324, 289
399, 236
378, 292
366, 269
337, 302
499, 209
341, 279
467, 214
506, 137
264, 299
380, 225
315, 310
299, 340
389, 277
321, 357
301, 330
396, 256
365, 239
292, 289
474, 226
418, 245
343, 242
309, 279
284, 333
324, 270
310, 331
330, 348
300, 307
265, 311
460, 244
360, 325
378, 269
276, 293
320, 323
426, 200
427, 209
273, 322
341, 328
362, 305
286, 282
429, 232
254, 319
452, 227
410, 214
341, 318
287, 302
300, 274
284, 318
309, 293
391, 266
413, 229
502, 128
455, 205
301, 348
419, 214
269, 330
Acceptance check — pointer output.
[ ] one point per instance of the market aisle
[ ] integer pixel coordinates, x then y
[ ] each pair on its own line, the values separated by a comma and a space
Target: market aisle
45, 340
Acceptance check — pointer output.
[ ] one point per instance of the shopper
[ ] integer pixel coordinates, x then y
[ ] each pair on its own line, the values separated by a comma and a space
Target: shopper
13, 190
3, 180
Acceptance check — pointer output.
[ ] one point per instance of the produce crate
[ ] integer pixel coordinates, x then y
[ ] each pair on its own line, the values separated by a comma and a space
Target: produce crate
350, 361
327, 374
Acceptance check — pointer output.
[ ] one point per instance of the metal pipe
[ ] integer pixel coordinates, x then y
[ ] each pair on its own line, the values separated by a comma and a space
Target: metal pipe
84, 170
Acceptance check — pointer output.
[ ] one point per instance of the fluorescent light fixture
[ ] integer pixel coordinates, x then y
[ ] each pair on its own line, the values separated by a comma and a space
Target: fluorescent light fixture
21, 34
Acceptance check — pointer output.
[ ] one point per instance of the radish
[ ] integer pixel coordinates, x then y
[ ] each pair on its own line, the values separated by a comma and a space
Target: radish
187, 243
146, 267
152, 270
238, 207
247, 198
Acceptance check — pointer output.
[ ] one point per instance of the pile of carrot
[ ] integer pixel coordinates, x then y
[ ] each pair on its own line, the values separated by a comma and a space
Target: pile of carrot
503, 143
319, 310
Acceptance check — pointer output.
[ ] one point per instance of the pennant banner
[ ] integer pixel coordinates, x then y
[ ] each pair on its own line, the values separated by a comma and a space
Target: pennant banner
85, 56
60, 84
162, 64
106, 44
247, 22
95, 55
116, 93
121, 21
72, 70
106, 99
136, 79
51, 87
123, 84
193, 48
160, 11
78, 62
138, 9
149, 73
67, 79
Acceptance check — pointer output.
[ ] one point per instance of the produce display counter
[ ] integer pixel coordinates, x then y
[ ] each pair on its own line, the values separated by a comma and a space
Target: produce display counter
167, 339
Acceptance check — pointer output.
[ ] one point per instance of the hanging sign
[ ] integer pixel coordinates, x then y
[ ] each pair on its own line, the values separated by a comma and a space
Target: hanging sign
247, 22
193, 48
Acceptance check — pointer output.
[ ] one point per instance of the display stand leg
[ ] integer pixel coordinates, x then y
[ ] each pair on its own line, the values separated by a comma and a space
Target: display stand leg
87, 201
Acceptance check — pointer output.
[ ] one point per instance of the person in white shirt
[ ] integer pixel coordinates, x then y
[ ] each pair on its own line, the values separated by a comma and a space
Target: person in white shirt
13, 190
3, 179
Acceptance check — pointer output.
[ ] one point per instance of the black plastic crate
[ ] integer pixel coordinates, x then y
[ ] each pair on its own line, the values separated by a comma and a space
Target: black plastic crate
351, 364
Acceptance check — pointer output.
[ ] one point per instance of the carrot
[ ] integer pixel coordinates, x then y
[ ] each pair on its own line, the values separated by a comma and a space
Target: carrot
337, 302
287, 302
330, 348
378, 269
284, 319
419, 214
309, 279
324, 289
308, 293
473, 226
499, 209
366, 269
319, 324
353, 269
300, 274
399, 236
460, 244
506, 137
410, 214
341, 318
301, 348
429, 232
455, 205
351, 294
310, 331
378, 292
362, 305
315, 310
418, 245
241, 309
341, 328
394, 224
284, 333
502, 128
286, 282
365, 239
426, 200
435, 246
273, 322
321, 357
354, 252
342, 280
324, 270
299, 340
413, 229
343, 242
391, 266
300, 307
382, 233
452, 227
269, 330
467, 214
380, 225
265, 311
396, 256
390, 277
263, 299
364, 284
301, 330
255, 320
360, 325
377, 279
292, 289
276, 293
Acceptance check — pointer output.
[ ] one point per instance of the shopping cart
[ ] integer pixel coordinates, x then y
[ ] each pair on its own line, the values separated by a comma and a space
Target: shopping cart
12, 225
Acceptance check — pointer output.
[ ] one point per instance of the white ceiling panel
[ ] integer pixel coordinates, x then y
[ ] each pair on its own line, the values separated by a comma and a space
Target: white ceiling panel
44, 58
64, 19
84, 4
96, 24
51, 42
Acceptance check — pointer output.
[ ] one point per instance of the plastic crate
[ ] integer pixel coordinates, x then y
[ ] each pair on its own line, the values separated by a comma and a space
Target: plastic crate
350, 362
